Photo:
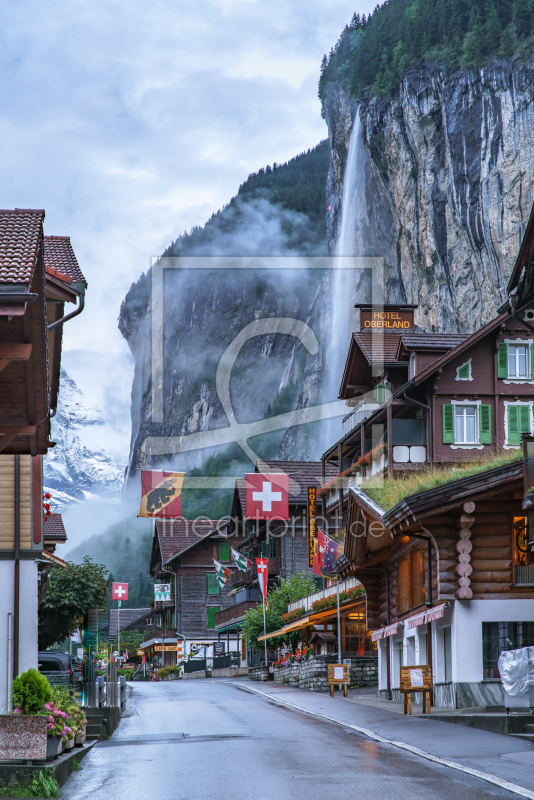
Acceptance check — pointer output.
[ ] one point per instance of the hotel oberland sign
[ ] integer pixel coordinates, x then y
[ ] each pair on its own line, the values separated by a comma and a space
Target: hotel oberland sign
384, 318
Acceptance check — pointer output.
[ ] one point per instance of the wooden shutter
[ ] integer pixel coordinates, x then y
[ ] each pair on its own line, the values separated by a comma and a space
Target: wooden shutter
463, 371
264, 550
524, 419
502, 361
485, 424
448, 423
224, 551
213, 584
379, 393
513, 425
212, 610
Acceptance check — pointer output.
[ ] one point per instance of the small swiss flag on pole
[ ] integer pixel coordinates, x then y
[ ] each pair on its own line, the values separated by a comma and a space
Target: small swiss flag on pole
267, 495
263, 577
119, 591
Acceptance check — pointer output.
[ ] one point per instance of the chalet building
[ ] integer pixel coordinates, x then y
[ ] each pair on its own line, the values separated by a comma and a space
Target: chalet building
130, 619
182, 555
285, 545
38, 275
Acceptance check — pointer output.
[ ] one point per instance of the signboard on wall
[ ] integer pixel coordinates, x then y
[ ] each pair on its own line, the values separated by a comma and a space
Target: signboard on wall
312, 522
218, 648
386, 318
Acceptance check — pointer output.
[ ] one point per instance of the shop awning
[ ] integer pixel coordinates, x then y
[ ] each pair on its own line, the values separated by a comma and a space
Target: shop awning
311, 619
383, 633
419, 619
435, 613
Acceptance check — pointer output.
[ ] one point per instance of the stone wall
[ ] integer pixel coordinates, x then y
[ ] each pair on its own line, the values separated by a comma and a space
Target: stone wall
312, 674
258, 674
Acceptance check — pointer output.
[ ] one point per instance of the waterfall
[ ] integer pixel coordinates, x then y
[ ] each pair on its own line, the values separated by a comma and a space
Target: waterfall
349, 284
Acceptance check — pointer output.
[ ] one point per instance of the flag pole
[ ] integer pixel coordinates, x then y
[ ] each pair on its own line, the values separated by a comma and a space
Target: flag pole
338, 624
119, 630
265, 633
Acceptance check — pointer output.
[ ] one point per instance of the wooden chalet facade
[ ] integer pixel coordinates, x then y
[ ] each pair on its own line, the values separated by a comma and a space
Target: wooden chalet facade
38, 275
182, 555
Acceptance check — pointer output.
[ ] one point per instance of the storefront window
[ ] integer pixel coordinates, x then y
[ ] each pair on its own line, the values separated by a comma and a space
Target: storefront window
500, 636
412, 580
523, 556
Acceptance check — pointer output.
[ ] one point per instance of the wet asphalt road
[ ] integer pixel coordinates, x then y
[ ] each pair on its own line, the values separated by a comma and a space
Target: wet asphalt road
208, 740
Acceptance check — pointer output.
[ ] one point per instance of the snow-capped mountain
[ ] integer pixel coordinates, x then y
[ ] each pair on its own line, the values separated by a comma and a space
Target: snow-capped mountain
79, 467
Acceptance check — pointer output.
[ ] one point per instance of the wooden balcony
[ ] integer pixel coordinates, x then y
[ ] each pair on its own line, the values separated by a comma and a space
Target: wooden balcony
234, 614
159, 633
241, 578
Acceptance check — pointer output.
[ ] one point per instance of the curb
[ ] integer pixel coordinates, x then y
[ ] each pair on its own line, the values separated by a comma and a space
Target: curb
485, 776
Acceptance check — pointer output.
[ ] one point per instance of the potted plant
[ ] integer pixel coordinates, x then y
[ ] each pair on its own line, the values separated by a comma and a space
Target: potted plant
81, 725
26, 724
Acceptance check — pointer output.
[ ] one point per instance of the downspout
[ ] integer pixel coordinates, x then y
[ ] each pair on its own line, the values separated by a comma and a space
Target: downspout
16, 599
80, 287
430, 438
388, 620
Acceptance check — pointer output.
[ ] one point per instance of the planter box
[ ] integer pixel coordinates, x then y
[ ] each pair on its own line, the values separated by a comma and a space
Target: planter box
53, 747
23, 737
81, 737
69, 744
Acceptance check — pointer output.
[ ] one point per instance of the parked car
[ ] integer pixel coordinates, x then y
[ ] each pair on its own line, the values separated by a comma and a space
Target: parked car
57, 667
77, 669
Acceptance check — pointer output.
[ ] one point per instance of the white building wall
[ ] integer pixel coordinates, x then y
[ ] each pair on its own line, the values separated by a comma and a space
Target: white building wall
28, 626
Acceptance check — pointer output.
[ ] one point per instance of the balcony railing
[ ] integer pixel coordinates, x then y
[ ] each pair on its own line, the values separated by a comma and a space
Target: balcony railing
228, 615
159, 633
306, 602
241, 578
352, 420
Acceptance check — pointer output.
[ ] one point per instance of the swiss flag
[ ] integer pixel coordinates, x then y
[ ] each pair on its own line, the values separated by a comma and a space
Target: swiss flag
263, 577
119, 591
267, 495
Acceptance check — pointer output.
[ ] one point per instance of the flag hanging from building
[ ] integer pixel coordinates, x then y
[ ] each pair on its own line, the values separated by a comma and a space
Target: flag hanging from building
326, 554
223, 573
161, 494
119, 591
162, 591
267, 495
240, 560
263, 577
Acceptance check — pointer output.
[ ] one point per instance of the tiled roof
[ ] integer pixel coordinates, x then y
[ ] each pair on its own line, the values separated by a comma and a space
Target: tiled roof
20, 232
59, 256
379, 348
53, 528
176, 535
301, 475
433, 341
127, 615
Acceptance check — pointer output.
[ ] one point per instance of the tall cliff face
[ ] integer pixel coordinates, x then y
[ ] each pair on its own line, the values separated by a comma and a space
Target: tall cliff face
450, 185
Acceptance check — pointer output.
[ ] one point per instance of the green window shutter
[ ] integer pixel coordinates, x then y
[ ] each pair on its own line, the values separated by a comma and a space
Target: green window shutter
224, 551
448, 423
212, 610
485, 424
513, 425
502, 361
463, 372
213, 584
379, 393
524, 419
264, 550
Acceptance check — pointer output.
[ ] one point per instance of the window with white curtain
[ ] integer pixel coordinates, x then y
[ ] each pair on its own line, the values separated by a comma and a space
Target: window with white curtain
465, 429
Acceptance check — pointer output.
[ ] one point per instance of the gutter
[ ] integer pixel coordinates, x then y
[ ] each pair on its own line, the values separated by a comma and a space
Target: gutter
80, 288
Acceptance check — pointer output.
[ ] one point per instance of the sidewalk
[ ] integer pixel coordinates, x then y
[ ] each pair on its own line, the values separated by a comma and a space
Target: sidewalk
506, 757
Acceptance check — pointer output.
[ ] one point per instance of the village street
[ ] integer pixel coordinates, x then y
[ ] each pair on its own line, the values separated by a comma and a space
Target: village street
204, 739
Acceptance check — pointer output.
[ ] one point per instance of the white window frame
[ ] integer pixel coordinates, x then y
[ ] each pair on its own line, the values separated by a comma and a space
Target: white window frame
467, 363
413, 367
529, 379
476, 445
507, 403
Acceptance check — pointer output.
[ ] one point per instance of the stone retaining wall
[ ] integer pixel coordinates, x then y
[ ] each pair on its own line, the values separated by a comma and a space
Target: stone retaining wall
312, 674
258, 674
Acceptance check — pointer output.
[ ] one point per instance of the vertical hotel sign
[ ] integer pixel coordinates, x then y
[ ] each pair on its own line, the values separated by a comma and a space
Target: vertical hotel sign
312, 521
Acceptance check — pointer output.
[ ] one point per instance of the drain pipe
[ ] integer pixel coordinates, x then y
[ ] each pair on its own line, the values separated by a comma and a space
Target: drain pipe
16, 599
388, 620
430, 436
80, 287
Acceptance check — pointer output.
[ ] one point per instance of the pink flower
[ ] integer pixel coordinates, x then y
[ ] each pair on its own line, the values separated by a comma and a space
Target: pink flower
50, 726
50, 718
64, 715
16, 710
66, 729
58, 713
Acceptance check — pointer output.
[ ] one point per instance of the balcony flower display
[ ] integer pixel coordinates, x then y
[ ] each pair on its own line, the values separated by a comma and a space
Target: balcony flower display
359, 466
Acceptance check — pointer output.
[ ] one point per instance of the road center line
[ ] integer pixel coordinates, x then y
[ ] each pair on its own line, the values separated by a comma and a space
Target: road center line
485, 776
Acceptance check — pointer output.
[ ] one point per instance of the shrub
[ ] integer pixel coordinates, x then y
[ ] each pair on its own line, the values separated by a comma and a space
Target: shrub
45, 785
30, 691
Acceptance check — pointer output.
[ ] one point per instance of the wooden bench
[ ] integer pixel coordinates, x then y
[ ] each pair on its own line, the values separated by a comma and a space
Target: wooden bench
417, 678
338, 674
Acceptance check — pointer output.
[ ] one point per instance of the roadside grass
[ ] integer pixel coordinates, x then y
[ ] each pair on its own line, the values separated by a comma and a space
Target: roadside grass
43, 785
390, 491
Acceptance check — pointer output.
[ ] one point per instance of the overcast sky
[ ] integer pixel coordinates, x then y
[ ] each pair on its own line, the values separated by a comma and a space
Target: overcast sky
132, 122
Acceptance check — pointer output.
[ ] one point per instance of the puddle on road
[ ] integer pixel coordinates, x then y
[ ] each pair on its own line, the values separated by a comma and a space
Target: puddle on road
172, 738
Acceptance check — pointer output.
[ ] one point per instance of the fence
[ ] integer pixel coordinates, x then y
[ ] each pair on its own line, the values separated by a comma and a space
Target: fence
195, 665
256, 658
228, 660
102, 690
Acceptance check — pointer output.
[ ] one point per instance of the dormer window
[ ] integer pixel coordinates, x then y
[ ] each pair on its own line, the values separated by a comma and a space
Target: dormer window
412, 366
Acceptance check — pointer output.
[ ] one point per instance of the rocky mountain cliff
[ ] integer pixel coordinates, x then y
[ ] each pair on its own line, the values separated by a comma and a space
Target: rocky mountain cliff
78, 467
450, 184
